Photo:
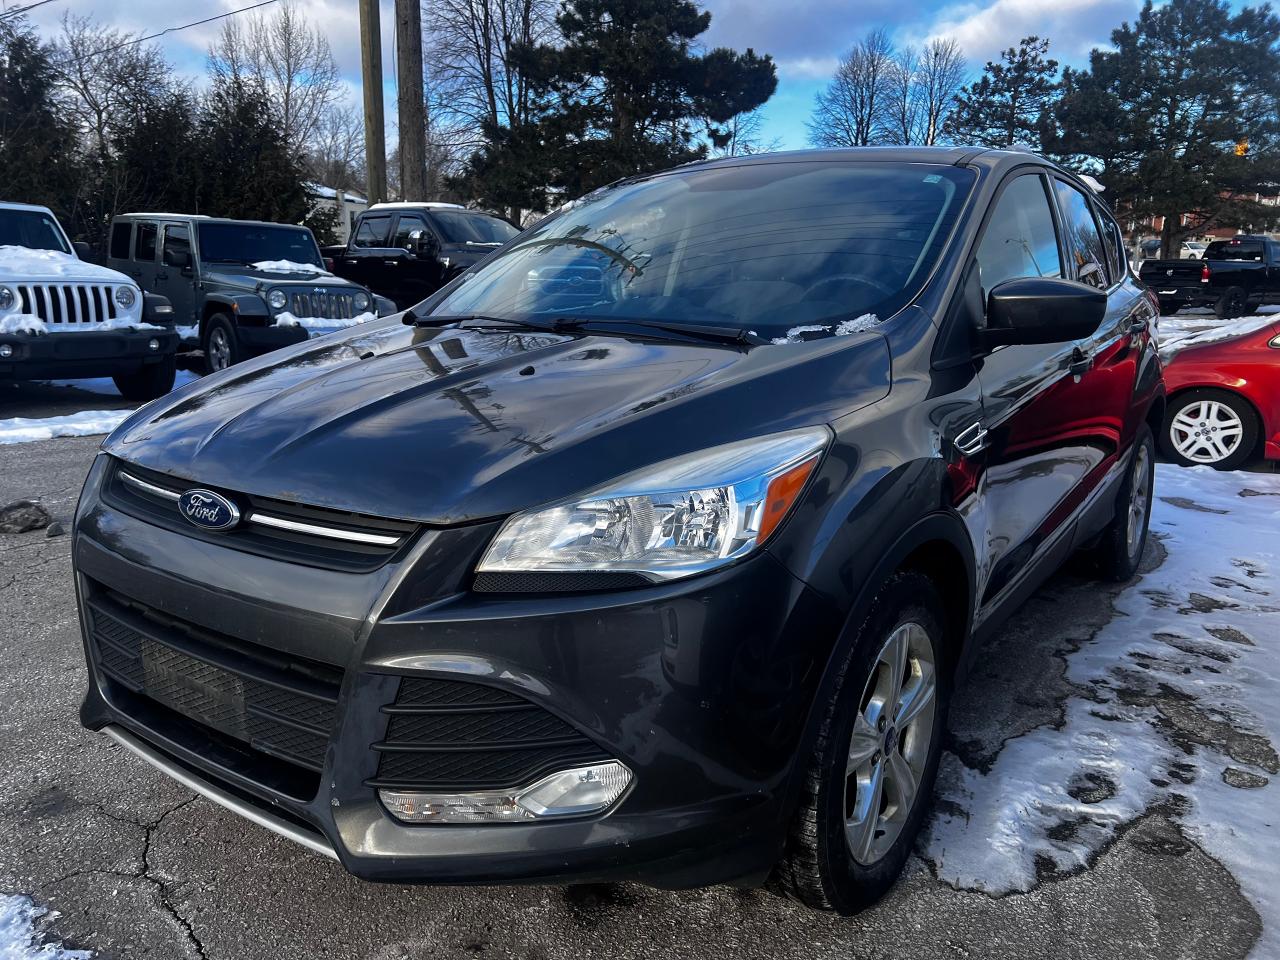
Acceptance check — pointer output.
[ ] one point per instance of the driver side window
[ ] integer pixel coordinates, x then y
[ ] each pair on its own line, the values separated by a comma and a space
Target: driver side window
1020, 239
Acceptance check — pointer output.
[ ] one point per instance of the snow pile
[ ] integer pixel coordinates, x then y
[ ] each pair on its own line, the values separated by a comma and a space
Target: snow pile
327, 324
1175, 334
23, 263
1179, 706
85, 423
290, 266
20, 932
22, 323
843, 329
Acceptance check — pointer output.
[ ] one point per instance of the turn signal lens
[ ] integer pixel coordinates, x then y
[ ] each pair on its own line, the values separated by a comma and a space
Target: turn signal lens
783, 491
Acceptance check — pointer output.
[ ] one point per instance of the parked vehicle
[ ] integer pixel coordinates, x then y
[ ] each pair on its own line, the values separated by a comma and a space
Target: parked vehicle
1224, 395
62, 317
407, 251
1235, 276
649, 548
239, 288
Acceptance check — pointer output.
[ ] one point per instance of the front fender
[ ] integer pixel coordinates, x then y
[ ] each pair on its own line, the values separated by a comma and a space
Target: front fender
236, 304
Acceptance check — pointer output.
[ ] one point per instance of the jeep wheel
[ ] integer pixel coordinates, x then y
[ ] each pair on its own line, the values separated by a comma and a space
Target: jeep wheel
148, 382
221, 346
872, 771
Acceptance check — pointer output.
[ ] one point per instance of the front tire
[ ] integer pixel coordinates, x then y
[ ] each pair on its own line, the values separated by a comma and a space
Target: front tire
147, 383
873, 767
220, 344
1212, 428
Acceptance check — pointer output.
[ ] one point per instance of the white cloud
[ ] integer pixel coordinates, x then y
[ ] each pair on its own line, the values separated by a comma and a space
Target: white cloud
1073, 27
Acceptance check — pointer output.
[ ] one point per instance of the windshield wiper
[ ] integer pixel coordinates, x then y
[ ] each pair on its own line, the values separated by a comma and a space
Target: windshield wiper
619, 326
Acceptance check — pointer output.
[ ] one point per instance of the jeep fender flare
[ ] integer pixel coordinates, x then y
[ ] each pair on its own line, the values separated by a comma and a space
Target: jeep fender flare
235, 305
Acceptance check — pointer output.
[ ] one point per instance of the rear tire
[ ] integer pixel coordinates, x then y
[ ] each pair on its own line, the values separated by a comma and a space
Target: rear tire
1233, 303
1121, 545
1213, 428
151, 381
220, 344
872, 770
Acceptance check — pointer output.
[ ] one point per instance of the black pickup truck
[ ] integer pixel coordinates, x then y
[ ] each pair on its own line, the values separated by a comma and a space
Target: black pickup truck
406, 251
1235, 276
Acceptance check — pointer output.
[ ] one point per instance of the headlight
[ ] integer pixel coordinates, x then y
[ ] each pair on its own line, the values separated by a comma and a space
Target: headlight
671, 520
125, 297
7, 299
276, 299
360, 301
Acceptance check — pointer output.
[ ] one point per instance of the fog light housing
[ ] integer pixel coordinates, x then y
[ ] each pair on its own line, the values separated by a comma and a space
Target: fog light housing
579, 792
6, 350
153, 344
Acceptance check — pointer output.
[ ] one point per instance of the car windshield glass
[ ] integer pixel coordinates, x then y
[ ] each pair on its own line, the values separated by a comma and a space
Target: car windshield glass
763, 247
31, 228
1234, 250
457, 226
251, 243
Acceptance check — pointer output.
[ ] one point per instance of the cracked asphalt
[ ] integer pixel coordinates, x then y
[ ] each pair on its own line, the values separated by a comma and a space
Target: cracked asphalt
138, 867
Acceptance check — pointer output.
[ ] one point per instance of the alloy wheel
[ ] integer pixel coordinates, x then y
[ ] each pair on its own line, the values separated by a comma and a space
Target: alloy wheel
219, 349
890, 744
1206, 431
1139, 499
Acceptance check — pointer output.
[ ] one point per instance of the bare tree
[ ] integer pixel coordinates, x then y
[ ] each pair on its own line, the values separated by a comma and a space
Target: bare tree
853, 109
335, 153
902, 98
746, 136
940, 74
288, 60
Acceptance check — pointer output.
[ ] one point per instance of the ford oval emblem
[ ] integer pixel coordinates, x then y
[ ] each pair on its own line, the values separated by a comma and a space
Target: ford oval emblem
207, 509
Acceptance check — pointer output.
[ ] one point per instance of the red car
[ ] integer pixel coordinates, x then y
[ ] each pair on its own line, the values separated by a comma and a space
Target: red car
1224, 393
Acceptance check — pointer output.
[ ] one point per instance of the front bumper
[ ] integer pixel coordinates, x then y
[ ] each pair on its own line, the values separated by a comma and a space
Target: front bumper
73, 355
701, 688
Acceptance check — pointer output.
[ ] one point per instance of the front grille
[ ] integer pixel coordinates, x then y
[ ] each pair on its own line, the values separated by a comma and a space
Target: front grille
326, 305
152, 496
68, 303
280, 706
458, 736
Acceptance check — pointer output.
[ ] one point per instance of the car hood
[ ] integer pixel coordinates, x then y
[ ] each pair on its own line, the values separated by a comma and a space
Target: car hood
449, 425
248, 278
25, 265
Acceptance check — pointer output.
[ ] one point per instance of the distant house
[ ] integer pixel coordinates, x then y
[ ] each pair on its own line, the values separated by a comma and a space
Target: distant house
345, 203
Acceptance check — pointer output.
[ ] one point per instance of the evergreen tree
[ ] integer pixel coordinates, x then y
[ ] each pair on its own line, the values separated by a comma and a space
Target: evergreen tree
624, 92
1003, 108
39, 161
1181, 117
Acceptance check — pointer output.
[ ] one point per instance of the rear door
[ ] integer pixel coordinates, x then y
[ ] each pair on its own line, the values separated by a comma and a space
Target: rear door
1035, 459
175, 275
146, 246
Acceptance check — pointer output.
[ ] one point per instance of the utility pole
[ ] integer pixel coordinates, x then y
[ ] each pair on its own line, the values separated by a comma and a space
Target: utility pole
413, 124
375, 138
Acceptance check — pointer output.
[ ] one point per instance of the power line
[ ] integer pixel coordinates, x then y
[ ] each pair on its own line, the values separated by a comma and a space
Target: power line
7, 14
185, 26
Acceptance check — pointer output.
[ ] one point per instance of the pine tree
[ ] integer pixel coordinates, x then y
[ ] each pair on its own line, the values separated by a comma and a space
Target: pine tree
1003, 108
1181, 117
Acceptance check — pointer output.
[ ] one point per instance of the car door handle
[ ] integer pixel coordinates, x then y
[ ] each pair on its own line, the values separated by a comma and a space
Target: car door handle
972, 439
1079, 365
390, 263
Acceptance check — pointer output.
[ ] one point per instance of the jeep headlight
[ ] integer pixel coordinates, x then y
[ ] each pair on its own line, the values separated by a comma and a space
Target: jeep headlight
126, 297
674, 519
360, 301
276, 299
7, 299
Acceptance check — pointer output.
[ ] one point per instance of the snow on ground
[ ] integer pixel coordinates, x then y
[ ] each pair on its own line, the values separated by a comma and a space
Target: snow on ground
1176, 333
22, 936
318, 325
1179, 708
289, 266
85, 423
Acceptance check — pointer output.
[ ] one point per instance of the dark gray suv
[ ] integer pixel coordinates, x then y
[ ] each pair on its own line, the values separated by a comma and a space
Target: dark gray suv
238, 287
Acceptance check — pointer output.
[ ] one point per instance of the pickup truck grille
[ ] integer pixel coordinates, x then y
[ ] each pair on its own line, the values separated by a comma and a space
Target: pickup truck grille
68, 303
326, 305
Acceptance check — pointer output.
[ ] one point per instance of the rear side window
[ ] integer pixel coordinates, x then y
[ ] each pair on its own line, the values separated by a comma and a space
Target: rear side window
373, 232
1020, 240
1235, 250
146, 248
1084, 240
120, 233
1114, 243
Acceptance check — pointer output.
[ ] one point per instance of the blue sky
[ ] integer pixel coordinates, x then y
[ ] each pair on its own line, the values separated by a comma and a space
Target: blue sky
805, 37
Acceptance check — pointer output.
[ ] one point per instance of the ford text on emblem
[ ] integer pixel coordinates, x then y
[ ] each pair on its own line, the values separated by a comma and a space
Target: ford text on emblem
207, 509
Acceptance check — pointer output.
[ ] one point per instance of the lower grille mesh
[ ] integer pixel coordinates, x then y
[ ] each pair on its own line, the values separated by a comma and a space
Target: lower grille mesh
458, 736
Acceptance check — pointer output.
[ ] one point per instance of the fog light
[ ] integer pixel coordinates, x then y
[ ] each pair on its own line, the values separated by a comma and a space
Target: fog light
153, 344
569, 793
6, 350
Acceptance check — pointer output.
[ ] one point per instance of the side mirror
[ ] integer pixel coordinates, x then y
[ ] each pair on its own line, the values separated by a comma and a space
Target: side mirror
82, 249
177, 258
1042, 310
424, 245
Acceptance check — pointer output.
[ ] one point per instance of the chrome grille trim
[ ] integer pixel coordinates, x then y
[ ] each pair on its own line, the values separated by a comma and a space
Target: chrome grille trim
326, 305
315, 530
149, 488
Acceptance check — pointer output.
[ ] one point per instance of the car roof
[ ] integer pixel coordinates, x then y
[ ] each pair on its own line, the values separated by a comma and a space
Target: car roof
416, 205
33, 207
202, 218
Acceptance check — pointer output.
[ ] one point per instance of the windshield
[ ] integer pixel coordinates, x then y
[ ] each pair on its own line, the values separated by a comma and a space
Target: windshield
762, 247
31, 228
1234, 250
246, 243
459, 226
